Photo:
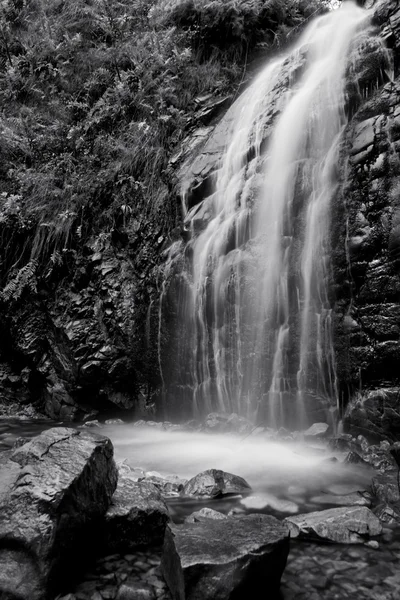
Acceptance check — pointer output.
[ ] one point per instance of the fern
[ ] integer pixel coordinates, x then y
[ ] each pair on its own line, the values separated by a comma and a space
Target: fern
25, 280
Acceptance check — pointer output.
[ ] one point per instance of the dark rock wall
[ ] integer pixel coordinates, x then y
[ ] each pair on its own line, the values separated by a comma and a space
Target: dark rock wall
88, 339
366, 233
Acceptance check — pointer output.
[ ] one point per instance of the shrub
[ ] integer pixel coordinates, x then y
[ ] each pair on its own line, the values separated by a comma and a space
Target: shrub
232, 27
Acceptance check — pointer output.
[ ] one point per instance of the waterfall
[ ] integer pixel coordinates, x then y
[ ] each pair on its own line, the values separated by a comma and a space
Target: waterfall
258, 311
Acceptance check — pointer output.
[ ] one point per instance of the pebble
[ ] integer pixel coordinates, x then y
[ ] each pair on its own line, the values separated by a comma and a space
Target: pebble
236, 511
133, 576
338, 572
373, 544
137, 592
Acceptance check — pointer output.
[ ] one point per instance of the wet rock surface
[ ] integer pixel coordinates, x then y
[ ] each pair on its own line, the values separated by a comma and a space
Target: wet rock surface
204, 513
213, 483
53, 489
344, 525
232, 558
366, 214
137, 516
316, 431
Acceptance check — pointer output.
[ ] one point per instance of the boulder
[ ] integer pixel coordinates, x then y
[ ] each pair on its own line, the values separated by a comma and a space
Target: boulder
317, 430
205, 513
232, 558
170, 486
347, 525
390, 515
380, 457
353, 458
54, 490
385, 487
232, 423
137, 516
214, 483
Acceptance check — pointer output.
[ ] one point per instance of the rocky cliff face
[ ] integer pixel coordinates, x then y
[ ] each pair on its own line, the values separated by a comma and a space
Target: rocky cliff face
366, 238
88, 340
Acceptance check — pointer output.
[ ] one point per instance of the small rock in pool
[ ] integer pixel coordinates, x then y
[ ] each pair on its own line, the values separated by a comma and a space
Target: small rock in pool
317, 430
373, 544
236, 512
94, 423
342, 489
354, 499
260, 501
204, 513
214, 483
135, 592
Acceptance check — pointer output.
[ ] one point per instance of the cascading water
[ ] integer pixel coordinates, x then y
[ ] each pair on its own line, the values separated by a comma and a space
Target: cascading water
257, 314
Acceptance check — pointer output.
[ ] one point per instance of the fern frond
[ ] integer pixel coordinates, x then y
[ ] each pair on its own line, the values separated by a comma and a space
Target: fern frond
25, 280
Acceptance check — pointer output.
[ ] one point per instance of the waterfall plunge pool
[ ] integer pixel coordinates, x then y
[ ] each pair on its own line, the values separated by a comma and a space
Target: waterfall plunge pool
286, 476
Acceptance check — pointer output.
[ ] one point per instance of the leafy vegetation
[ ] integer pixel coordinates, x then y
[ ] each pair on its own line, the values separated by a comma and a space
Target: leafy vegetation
231, 28
96, 95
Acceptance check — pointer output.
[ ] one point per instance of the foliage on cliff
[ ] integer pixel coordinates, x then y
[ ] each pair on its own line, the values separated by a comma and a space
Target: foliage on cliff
96, 96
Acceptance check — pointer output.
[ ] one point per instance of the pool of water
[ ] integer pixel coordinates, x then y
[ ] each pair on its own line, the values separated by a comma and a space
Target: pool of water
285, 474
13, 428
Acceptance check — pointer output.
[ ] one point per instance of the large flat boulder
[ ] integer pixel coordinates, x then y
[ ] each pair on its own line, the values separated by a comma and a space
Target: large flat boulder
137, 516
345, 525
53, 489
225, 559
213, 483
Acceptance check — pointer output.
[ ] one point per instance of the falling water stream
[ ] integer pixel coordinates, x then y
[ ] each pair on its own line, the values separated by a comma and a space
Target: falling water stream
259, 313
